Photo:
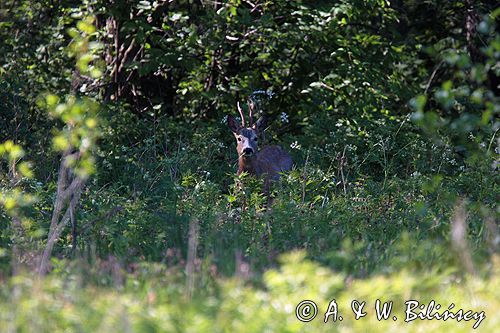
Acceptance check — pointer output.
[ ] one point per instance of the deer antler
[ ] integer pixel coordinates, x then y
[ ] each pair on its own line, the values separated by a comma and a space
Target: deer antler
242, 115
251, 106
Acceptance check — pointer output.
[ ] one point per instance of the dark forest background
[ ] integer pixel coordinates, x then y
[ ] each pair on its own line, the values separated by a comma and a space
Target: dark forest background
117, 178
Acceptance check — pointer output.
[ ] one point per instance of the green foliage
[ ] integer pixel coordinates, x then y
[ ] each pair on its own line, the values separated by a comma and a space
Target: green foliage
463, 110
13, 198
389, 110
157, 304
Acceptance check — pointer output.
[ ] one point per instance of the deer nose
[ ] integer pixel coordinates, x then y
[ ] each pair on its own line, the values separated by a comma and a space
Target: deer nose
248, 151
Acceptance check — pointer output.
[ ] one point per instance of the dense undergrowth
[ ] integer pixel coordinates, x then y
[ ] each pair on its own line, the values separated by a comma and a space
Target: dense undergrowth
121, 173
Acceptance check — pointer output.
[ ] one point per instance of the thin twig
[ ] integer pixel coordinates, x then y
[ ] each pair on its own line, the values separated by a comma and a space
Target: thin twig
304, 179
192, 249
432, 77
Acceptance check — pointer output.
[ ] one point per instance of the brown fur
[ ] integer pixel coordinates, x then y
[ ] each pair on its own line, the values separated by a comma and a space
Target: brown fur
266, 163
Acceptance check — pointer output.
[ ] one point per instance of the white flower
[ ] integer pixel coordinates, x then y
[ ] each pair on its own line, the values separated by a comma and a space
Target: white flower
295, 145
284, 117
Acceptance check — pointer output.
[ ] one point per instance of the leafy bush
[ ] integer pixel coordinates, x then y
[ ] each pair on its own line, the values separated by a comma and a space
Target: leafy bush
389, 111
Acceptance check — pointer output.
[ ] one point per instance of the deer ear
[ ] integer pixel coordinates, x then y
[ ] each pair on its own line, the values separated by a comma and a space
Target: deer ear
260, 125
233, 124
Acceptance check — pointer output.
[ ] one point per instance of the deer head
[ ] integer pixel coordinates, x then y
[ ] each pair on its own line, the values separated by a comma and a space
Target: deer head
246, 137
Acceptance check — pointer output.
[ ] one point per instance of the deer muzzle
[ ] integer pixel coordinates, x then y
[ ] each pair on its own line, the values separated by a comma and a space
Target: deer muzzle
248, 151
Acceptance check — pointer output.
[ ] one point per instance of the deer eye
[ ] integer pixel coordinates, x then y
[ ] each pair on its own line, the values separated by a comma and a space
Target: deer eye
239, 139
255, 139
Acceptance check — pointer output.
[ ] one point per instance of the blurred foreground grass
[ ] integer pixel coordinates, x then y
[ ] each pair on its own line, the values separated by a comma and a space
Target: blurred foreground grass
153, 300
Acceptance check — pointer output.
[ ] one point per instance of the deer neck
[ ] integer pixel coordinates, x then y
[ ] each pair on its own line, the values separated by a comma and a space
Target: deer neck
247, 164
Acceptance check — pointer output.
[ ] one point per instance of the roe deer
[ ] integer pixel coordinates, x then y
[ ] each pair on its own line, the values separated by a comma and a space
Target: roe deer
266, 163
